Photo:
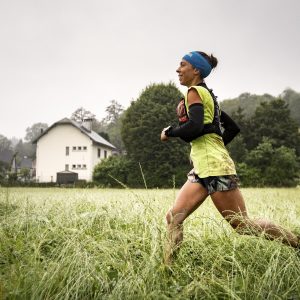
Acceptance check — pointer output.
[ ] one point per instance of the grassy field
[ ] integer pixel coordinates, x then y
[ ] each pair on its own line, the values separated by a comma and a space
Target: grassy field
108, 244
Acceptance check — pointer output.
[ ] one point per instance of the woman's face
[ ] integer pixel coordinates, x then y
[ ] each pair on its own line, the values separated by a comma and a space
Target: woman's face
187, 74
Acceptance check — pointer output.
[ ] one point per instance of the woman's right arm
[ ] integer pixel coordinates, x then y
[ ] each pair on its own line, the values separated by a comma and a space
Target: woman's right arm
194, 126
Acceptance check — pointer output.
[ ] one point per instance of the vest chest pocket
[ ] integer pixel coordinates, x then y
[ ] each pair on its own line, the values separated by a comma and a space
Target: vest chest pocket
182, 112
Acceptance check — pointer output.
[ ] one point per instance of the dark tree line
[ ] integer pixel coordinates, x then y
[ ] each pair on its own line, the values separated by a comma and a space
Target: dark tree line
267, 150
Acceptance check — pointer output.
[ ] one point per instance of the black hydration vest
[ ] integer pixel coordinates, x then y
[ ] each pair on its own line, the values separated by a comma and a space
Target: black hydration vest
214, 127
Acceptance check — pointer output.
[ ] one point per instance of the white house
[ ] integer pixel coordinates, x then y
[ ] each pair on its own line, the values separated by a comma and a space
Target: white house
69, 150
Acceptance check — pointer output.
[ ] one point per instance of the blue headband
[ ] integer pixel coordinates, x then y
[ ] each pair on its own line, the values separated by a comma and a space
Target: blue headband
198, 62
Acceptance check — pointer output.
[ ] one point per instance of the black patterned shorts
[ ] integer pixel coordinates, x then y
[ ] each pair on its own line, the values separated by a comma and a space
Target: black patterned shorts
215, 183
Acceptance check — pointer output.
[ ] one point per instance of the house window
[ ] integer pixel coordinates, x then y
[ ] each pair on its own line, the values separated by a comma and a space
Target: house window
99, 152
73, 166
74, 148
67, 151
84, 147
84, 166
79, 166
79, 148
105, 154
66, 167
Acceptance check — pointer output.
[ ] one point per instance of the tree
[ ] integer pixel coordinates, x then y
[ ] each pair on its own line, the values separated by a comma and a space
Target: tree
114, 131
5, 143
80, 114
6, 154
3, 169
269, 165
249, 103
111, 124
25, 149
35, 131
240, 118
273, 120
113, 111
25, 174
292, 98
237, 149
98, 126
141, 128
104, 135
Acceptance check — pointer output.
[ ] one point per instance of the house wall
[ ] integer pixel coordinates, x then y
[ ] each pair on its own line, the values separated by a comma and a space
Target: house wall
51, 153
95, 158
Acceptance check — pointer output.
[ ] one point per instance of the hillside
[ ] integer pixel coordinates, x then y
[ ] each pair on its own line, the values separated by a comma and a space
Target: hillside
248, 102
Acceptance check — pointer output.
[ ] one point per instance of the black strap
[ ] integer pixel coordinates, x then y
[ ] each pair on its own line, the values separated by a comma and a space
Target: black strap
215, 126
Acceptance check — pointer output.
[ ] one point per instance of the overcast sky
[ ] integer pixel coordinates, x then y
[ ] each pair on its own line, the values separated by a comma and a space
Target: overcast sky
58, 55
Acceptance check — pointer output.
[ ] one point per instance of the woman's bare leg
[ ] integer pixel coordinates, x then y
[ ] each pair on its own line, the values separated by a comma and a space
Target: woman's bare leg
232, 207
189, 198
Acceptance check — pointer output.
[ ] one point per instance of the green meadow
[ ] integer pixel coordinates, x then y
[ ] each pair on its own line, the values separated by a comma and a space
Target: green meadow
109, 243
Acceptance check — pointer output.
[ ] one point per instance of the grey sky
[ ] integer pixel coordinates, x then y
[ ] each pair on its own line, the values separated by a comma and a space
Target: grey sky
58, 55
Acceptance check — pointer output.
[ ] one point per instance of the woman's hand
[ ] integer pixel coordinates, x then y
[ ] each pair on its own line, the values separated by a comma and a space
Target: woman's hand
163, 136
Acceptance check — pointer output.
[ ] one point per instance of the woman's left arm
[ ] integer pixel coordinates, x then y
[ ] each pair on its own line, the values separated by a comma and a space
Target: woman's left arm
231, 129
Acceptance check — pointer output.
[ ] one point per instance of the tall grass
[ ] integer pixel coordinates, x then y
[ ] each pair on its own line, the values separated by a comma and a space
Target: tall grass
108, 244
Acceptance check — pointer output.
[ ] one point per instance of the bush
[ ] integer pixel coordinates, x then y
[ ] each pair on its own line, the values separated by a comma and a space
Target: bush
16, 183
249, 176
81, 183
12, 177
267, 165
120, 170
113, 172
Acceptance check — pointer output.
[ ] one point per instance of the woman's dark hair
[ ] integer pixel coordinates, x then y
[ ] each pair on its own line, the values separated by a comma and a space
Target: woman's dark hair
211, 59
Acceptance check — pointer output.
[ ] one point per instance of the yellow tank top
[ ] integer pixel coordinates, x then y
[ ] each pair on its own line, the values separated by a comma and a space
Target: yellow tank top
208, 153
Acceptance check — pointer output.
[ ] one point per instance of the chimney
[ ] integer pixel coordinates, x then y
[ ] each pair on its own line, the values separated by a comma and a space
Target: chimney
87, 123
